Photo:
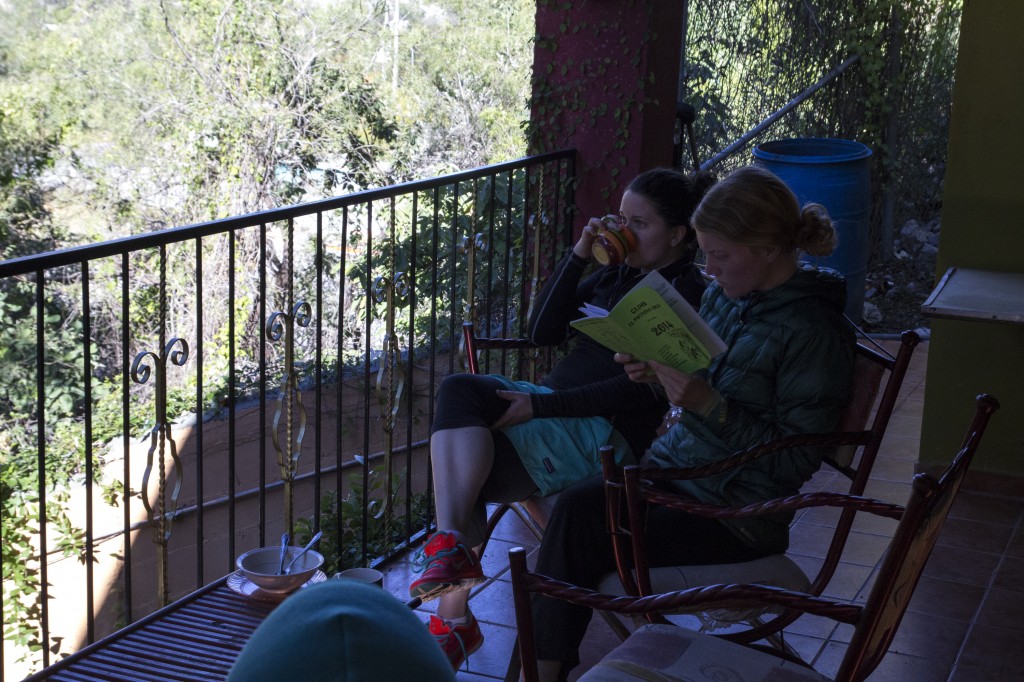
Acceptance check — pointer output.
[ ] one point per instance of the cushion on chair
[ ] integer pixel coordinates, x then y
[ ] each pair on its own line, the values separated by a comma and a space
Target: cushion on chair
777, 570
667, 653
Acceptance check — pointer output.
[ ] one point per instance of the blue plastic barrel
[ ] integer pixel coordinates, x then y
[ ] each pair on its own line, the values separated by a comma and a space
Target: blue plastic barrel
835, 174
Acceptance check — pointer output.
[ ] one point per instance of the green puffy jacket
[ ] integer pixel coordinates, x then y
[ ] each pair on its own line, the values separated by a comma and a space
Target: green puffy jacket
787, 371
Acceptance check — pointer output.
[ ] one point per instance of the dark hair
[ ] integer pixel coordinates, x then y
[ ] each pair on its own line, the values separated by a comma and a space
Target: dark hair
673, 194
752, 206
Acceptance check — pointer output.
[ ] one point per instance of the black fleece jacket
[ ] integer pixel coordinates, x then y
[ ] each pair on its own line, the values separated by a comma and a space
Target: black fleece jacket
588, 382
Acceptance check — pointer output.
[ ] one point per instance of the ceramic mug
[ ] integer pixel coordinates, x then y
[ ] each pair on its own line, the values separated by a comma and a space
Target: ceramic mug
370, 576
613, 242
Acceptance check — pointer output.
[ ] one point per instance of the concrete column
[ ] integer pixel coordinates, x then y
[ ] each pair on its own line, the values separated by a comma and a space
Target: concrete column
604, 81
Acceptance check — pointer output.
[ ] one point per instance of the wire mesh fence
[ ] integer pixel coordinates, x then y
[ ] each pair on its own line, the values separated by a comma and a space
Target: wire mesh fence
890, 68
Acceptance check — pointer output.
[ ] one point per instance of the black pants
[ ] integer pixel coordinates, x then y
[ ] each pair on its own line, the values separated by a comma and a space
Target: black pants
578, 549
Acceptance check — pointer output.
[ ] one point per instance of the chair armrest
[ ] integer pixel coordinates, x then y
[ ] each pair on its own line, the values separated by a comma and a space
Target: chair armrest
743, 457
473, 343
782, 504
709, 596
639, 493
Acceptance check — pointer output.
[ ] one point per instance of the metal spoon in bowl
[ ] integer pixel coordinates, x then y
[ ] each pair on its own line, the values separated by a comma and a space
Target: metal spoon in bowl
288, 568
284, 552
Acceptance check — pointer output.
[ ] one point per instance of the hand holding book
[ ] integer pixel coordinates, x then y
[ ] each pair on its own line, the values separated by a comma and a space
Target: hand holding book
653, 322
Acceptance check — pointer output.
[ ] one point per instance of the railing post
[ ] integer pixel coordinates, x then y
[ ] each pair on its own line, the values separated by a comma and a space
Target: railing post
288, 403
470, 246
389, 391
160, 511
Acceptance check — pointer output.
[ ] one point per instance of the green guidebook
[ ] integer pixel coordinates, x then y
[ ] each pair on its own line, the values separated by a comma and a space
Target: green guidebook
654, 322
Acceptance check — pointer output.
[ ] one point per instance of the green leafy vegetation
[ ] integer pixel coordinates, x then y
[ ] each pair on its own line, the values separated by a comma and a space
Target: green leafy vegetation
746, 59
119, 118
342, 521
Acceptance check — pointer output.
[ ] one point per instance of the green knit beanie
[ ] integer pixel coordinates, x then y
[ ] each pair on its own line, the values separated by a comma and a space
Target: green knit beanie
341, 631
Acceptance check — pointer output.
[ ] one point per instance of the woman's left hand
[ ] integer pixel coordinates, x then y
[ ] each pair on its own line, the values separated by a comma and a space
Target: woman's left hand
520, 409
685, 390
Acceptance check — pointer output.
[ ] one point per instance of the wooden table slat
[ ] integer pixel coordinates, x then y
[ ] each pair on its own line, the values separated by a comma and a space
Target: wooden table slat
197, 639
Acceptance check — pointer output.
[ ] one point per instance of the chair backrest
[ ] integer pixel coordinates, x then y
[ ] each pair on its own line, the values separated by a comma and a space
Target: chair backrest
528, 365
859, 429
870, 364
875, 623
929, 504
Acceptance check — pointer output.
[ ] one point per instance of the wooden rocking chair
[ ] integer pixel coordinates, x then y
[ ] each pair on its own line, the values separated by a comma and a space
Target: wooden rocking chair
662, 651
859, 429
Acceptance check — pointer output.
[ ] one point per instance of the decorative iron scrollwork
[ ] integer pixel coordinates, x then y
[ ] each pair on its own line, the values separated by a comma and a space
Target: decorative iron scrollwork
160, 510
281, 325
470, 246
391, 370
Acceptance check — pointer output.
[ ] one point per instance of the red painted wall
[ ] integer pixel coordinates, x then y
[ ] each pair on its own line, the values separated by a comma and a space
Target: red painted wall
605, 79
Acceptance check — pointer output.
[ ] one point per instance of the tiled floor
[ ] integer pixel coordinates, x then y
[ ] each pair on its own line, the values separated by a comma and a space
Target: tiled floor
965, 622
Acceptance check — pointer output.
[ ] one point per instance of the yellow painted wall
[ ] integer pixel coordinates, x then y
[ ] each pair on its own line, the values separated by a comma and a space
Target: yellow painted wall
982, 227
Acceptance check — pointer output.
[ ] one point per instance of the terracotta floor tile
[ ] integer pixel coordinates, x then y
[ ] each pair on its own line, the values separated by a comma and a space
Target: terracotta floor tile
464, 676
903, 447
902, 425
398, 574
821, 480
864, 549
899, 667
828, 660
962, 565
896, 492
1003, 609
808, 564
988, 508
492, 604
820, 516
911, 408
977, 535
495, 558
812, 626
946, 599
1016, 545
930, 637
807, 648
875, 525
967, 674
1010, 575
847, 581
995, 652
531, 562
511, 529
840, 484
894, 469
809, 540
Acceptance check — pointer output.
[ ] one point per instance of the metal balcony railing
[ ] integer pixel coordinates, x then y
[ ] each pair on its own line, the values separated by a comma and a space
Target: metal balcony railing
196, 391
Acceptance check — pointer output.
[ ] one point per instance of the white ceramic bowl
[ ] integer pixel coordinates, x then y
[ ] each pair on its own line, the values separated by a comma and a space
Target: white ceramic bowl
260, 565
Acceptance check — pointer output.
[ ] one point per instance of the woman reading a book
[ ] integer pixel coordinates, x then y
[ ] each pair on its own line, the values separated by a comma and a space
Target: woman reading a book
787, 371
493, 440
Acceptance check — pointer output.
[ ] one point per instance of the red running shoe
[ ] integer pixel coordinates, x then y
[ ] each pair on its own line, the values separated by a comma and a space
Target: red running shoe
447, 565
457, 641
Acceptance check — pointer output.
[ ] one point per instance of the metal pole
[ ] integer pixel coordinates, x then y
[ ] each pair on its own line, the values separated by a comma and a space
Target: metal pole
788, 107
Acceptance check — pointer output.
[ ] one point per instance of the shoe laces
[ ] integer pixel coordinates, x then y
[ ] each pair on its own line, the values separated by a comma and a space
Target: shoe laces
442, 631
427, 555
